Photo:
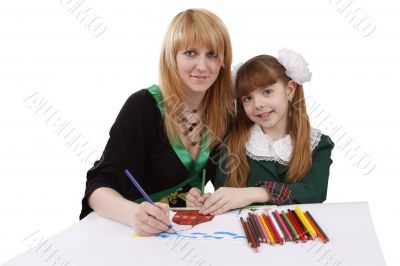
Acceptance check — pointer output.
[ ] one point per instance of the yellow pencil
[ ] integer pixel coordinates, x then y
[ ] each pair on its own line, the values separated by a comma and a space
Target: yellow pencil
267, 230
304, 220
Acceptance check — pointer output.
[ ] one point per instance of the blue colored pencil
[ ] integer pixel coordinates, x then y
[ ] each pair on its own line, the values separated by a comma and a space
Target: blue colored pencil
144, 194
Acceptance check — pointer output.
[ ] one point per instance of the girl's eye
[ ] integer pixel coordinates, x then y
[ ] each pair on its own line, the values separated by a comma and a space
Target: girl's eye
212, 54
245, 99
267, 91
190, 53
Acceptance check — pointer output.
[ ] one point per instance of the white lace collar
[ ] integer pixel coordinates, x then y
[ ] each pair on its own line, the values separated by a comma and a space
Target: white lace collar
261, 146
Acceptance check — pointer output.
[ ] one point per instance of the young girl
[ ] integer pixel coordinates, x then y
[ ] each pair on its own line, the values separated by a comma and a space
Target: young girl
272, 155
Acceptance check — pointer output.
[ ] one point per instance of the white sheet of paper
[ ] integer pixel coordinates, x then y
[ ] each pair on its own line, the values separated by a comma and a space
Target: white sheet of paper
99, 241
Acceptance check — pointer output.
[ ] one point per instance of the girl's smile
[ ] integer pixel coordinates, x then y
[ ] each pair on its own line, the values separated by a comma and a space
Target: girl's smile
268, 107
265, 116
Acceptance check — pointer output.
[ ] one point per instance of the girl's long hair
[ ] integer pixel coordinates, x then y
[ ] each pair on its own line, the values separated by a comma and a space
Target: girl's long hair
259, 72
189, 28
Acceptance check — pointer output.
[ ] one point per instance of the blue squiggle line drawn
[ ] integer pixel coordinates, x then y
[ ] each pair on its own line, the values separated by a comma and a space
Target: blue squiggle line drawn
225, 233
198, 233
233, 235
166, 235
215, 237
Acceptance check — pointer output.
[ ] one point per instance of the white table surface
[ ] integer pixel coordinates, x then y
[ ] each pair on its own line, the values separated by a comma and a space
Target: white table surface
99, 241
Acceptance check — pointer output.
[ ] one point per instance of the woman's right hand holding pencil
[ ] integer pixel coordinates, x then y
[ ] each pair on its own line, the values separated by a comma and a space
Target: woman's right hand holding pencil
148, 219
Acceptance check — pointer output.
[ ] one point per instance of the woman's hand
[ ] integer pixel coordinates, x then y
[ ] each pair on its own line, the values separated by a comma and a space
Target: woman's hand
148, 219
228, 198
195, 199
145, 218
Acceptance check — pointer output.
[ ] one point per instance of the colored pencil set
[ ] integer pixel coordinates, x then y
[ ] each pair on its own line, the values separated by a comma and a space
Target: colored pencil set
272, 227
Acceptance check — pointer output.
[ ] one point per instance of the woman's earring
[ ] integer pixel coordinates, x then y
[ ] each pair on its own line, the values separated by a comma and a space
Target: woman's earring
290, 108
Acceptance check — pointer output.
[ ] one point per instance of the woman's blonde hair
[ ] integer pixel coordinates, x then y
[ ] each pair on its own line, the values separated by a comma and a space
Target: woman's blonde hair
187, 29
259, 72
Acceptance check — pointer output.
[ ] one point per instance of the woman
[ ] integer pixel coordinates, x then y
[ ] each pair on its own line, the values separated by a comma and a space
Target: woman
167, 134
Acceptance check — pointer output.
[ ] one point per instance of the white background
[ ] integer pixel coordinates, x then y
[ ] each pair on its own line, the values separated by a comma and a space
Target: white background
48, 53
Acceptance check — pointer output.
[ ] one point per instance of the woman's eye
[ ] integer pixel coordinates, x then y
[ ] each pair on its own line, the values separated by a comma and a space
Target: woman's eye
212, 54
190, 53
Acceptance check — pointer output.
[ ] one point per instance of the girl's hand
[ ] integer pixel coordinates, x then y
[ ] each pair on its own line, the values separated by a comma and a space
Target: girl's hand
195, 199
148, 219
228, 198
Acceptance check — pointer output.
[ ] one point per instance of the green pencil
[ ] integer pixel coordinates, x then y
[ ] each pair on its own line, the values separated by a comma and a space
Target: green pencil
203, 180
291, 228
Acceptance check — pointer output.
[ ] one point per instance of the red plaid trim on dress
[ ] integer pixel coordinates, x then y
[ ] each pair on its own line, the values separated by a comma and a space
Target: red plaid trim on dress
280, 193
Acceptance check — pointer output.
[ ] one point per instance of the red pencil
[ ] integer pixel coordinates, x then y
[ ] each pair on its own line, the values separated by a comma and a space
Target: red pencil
301, 225
246, 231
301, 234
278, 237
283, 225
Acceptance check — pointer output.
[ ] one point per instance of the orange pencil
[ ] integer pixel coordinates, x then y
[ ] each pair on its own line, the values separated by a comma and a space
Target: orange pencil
270, 229
320, 235
270, 238
317, 225
253, 242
